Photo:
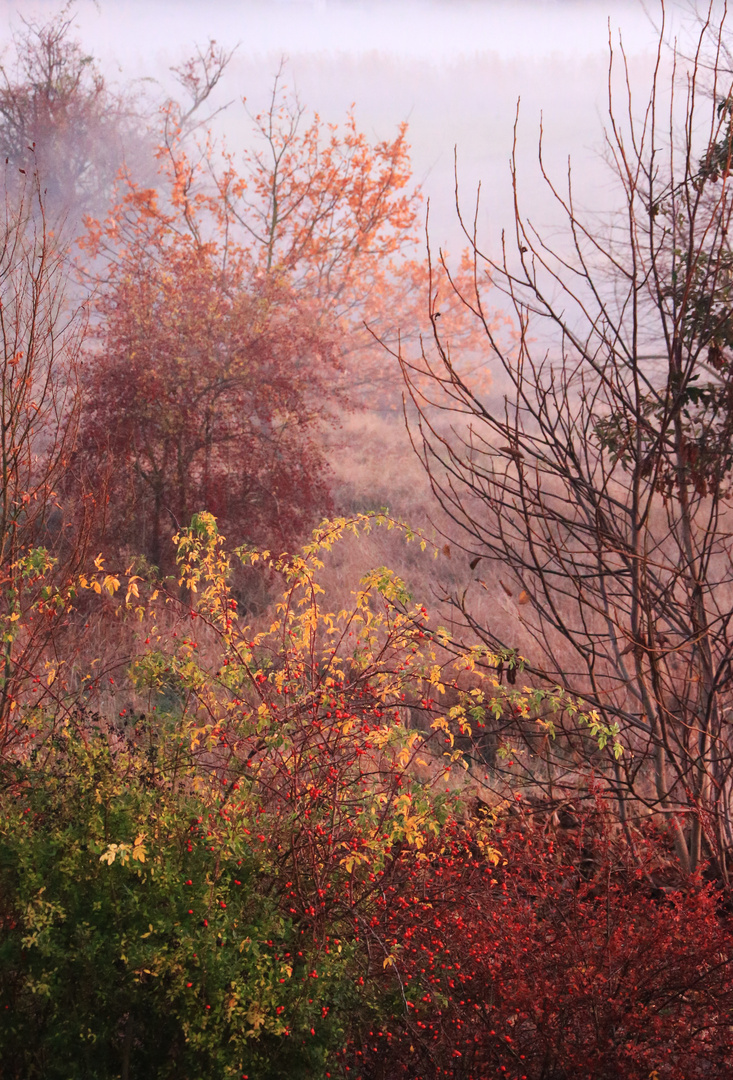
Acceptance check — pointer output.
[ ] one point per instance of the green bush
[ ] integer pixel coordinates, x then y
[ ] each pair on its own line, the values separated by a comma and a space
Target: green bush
137, 941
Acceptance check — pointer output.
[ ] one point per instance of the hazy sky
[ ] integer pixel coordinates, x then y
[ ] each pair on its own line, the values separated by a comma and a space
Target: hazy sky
455, 69
142, 31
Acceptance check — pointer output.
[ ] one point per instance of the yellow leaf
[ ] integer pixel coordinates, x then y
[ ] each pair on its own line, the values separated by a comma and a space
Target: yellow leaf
109, 855
138, 848
111, 584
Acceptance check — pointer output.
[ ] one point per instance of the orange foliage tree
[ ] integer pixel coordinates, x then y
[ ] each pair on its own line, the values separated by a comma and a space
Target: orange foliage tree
324, 206
225, 300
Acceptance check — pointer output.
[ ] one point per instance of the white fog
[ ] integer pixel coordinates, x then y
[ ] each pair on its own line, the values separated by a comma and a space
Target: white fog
454, 70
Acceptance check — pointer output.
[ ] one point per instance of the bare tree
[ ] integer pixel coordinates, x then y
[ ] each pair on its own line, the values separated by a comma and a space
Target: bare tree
40, 343
59, 118
602, 482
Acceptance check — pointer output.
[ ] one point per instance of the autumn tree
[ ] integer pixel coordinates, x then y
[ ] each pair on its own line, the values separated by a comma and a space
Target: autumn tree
334, 212
225, 301
204, 391
341, 217
603, 481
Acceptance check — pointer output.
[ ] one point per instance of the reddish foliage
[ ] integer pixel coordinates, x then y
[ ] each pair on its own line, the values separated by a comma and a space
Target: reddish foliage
204, 394
563, 962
